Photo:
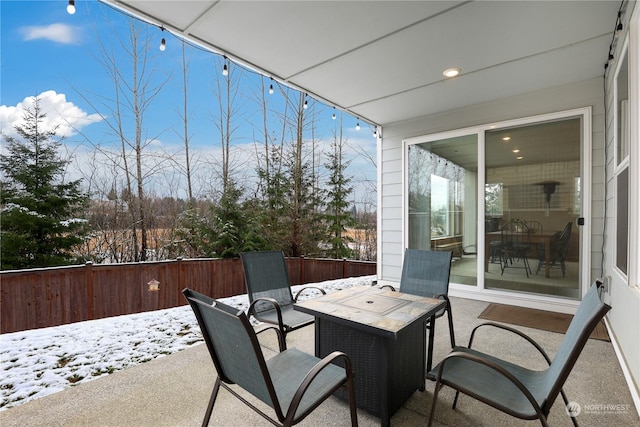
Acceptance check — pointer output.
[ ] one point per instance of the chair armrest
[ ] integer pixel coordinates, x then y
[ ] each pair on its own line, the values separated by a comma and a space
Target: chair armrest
322, 291
251, 311
387, 286
515, 331
443, 297
499, 369
313, 373
265, 327
281, 329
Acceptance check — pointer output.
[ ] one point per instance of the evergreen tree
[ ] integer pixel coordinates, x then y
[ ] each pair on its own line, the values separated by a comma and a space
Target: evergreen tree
338, 217
39, 221
228, 228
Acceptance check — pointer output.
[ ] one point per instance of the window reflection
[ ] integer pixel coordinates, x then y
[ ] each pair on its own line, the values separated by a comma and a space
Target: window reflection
442, 183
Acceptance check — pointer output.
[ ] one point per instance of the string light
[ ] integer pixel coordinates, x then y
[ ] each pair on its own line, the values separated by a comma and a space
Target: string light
225, 70
163, 43
71, 7
619, 26
616, 34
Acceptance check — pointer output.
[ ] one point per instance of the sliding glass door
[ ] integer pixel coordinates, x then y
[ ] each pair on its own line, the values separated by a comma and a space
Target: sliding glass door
507, 200
532, 204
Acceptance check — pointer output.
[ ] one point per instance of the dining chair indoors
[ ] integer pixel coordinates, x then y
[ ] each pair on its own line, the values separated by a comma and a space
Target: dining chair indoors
426, 273
559, 248
515, 247
514, 389
269, 290
293, 383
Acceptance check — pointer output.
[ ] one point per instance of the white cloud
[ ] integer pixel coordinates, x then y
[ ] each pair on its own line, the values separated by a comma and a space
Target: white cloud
68, 118
59, 33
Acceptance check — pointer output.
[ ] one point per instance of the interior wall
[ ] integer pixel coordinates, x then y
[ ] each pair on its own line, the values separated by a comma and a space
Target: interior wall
527, 202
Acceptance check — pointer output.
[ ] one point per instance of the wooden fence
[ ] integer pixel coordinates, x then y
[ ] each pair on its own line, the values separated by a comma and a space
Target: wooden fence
39, 298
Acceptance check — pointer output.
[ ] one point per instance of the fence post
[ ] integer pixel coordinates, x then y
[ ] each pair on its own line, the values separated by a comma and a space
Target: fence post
302, 272
344, 268
180, 277
89, 282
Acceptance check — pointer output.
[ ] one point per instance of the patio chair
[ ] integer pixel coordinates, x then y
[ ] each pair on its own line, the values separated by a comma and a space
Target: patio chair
559, 248
514, 389
270, 297
293, 383
426, 273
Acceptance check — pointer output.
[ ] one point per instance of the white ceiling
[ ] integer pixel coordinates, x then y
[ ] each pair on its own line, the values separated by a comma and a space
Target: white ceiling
383, 60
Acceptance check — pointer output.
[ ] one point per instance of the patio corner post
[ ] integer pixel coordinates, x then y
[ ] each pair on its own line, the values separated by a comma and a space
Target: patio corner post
89, 282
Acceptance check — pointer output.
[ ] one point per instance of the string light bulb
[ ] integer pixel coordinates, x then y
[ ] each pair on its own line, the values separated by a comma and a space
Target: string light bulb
163, 43
357, 125
306, 102
619, 29
333, 116
271, 87
225, 69
71, 7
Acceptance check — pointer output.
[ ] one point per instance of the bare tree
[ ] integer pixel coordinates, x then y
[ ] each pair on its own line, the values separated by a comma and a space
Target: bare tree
135, 87
185, 120
229, 106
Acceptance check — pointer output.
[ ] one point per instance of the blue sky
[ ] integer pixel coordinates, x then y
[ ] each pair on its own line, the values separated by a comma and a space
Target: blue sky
48, 53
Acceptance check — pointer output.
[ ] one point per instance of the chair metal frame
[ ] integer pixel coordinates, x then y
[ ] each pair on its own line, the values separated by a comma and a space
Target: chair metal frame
269, 290
485, 377
318, 378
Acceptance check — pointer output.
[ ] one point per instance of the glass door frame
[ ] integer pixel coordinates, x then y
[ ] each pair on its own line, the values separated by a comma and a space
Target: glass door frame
585, 114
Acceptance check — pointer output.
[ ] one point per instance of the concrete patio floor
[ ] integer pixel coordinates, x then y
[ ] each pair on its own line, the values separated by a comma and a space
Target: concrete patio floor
174, 390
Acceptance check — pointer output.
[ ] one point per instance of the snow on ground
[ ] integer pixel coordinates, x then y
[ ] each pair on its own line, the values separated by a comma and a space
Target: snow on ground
39, 362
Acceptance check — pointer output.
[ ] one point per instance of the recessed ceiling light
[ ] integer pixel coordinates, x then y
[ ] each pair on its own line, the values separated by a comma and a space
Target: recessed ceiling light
516, 151
519, 157
506, 138
451, 72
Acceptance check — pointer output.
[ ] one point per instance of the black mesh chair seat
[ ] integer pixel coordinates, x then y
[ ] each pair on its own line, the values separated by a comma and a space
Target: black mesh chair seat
292, 319
514, 389
292, 383
269, 291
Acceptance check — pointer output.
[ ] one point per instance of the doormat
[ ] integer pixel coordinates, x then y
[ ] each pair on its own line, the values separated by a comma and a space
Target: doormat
537, 319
